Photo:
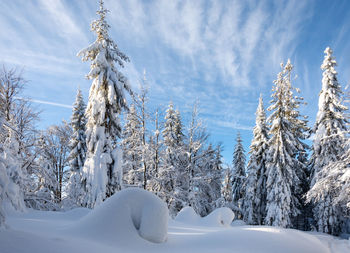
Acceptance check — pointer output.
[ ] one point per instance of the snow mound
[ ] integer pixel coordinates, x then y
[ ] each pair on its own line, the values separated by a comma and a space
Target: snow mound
219, 217
125, 217
188, 215
237, 223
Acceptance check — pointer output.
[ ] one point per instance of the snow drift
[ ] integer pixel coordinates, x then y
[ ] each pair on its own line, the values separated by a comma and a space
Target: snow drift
219, 217
128, 215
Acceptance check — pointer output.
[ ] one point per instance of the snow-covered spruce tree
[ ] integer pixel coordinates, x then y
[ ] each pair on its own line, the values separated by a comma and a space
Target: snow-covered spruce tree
300, 132
77, 146
330, 126
331, 193
282, 170
328, 145
106, 100
173, 176
132, 149
238, 176
216, 176
254, 204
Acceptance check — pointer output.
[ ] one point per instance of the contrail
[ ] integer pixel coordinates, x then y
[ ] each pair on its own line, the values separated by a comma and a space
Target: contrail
46, 102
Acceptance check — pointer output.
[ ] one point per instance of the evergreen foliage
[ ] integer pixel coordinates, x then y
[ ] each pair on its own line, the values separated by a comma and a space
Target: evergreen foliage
106, 100
238, 175
132, 149
328, 147
254, 208
77, 153
283, 181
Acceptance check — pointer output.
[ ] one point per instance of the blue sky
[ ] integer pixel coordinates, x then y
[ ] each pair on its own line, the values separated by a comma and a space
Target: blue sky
221, 53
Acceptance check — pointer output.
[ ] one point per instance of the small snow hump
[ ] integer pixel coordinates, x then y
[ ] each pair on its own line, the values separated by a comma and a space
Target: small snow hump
220, 217
126, 216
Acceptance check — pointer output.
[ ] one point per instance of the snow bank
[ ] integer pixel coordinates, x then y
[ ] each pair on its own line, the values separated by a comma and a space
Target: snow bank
218, 218
125, 217
188, 215
237, 223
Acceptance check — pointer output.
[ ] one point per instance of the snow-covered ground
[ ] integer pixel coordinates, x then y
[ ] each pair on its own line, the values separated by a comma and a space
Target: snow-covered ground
82, 230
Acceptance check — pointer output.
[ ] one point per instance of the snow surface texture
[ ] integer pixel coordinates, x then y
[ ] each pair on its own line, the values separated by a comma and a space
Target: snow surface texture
130, 213
221, 217
90, 231
57, 232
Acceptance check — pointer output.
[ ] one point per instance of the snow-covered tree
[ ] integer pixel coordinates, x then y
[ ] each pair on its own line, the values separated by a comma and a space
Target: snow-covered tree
106, 100
132, 149
254, 204
20, 118
10, 174
283, 182
238, 175
227, 193
207, 181
173, 176
330, 126
142, 100
44, 196
77, 145
196, 159
328, 145
3, 174
156, 156
14, 171
216, 176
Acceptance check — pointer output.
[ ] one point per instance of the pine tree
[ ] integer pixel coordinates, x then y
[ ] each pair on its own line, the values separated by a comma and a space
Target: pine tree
328, 145
106, 100
77, 153
254, 209
283, 181
238, 175
132, 149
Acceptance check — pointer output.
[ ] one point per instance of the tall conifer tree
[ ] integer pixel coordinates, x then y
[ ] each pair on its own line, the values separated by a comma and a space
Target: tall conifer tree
283, 167
77, 153
106, 100
328, 145
254, 209
238, 175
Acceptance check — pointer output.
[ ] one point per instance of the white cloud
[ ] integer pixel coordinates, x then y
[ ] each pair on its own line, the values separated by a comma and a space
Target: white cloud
46, 102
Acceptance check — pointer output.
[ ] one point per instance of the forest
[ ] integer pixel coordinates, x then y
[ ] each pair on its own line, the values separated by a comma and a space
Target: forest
110, 144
